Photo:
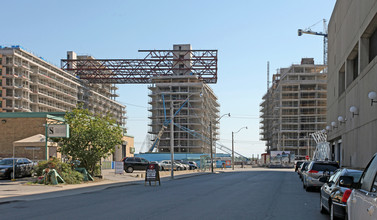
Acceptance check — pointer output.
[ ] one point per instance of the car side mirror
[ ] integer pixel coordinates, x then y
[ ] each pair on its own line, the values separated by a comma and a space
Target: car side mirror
324, 179
346, 181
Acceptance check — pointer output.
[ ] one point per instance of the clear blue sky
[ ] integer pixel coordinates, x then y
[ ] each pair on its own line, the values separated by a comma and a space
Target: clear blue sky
246, 33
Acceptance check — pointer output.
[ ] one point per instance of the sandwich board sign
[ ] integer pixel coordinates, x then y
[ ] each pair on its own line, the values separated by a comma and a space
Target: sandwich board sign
152, 173
119, 167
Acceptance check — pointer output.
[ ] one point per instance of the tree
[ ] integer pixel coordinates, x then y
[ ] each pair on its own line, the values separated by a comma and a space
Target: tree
91, 137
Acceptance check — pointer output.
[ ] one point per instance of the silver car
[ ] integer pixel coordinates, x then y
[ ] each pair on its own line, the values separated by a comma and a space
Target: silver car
316, 170
362, 202
166, 165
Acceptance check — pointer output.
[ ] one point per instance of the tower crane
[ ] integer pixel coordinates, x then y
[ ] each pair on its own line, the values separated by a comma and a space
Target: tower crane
324, 34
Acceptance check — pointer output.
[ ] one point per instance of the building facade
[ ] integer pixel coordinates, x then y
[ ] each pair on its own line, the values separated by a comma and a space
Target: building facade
30, 84
351, 114
294, 107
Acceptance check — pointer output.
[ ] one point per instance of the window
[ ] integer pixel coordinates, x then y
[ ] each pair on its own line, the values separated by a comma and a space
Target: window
352, 65
341, 81
355, 69
181, 57
373, 46
181, 66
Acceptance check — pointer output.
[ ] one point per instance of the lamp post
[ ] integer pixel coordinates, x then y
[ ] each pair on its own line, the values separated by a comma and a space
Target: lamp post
171, 139
233, 145
211, 138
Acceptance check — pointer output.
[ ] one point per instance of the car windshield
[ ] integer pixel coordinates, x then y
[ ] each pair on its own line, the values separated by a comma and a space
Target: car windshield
6, 162
325, 167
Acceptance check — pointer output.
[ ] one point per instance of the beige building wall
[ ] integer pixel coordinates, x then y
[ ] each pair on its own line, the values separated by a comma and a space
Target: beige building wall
127, 149
14, 129
352, 75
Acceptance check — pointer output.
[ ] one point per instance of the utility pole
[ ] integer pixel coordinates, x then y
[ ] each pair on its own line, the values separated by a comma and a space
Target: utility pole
172, 137
232, 150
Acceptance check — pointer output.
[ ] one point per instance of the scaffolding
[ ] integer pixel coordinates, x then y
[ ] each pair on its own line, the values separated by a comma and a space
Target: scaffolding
294, 107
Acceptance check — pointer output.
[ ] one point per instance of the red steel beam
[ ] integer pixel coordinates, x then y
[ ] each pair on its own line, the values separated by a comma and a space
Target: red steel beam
202, 63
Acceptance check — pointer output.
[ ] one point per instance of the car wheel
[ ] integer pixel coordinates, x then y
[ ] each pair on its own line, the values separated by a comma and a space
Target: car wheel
129, 170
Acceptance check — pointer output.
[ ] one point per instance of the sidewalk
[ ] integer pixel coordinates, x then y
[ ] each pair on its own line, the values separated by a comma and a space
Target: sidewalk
20, 190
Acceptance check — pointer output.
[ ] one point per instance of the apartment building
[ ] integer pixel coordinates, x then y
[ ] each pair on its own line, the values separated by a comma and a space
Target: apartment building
191, 132
30, 84
352, 80
294, 107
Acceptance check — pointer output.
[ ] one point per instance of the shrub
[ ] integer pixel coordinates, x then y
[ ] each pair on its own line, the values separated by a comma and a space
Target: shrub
65, 170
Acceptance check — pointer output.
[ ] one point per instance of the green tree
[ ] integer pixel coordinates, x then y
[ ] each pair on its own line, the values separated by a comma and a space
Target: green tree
91, 137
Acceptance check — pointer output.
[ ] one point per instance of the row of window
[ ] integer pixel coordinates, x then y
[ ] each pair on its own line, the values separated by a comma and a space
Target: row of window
351, 68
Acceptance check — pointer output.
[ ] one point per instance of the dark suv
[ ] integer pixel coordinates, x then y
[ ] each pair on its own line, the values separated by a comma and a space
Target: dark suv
134, 163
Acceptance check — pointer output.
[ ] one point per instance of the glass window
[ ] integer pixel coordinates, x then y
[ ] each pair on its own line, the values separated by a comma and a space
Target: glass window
325, 167
144, 160
373, 46
137, 159
130, 159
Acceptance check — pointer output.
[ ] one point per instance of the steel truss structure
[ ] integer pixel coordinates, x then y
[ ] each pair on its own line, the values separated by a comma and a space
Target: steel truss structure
202, 63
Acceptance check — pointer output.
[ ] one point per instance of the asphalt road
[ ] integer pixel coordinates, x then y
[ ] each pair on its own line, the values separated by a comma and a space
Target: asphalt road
256, 194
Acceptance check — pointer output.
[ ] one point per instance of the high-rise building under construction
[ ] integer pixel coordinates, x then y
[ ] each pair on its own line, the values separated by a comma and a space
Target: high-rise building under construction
295, 107
191, 131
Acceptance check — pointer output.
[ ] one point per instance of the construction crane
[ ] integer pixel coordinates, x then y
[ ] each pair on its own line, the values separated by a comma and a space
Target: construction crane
324, 34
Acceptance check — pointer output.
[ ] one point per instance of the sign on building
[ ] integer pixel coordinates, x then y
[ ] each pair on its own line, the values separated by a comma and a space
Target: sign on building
58, 130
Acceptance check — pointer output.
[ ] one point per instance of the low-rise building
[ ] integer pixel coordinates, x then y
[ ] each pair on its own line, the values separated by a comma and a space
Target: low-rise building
352, 80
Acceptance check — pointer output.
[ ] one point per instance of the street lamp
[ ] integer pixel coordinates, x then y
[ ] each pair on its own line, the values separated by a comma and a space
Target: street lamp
233, 145
211, 138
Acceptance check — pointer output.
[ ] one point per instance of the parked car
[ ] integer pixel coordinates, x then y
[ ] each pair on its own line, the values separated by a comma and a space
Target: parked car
134, 163
317, 169
183, 164
298, 164
178, 166
302, 169
166, 165
23, 167
362, 202
332, 199
193, 165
